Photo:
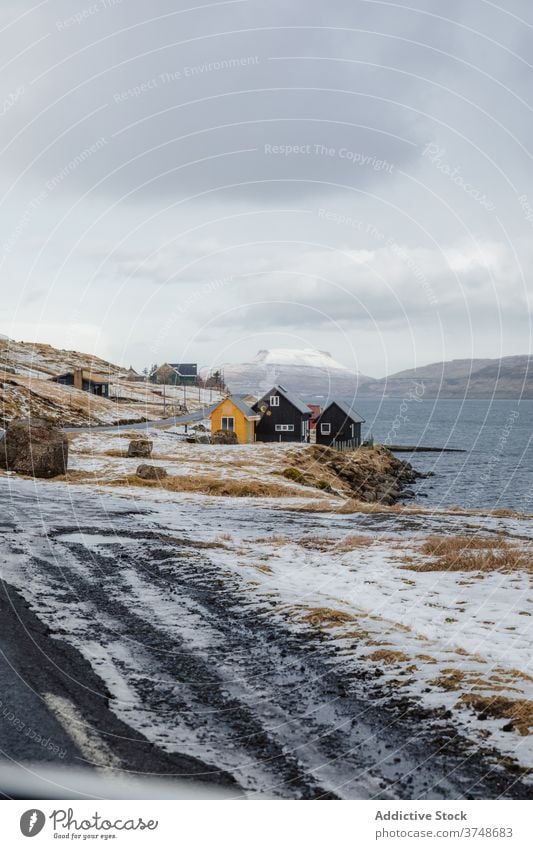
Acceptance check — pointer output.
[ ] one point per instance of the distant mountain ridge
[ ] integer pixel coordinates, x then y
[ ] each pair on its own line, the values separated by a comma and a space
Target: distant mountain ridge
507, 378
316, 373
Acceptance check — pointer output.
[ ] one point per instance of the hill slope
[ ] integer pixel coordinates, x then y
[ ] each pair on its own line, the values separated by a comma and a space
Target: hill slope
26, 387
306, 371
506, 378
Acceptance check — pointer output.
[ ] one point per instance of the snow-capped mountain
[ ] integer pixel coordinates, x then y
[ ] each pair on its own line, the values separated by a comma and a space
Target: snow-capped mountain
306, 371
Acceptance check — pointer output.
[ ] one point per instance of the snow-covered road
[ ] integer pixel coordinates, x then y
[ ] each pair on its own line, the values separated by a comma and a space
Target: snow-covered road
187, 611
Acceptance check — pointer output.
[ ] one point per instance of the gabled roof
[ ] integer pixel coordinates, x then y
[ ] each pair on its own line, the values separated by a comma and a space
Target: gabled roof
185, 369
86, 374
348, 411
239, 403
291, 397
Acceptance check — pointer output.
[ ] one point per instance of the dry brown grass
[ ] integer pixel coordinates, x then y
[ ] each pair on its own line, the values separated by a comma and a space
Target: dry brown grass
450, 679
470, 554
313, 505
354, 506
354, 541
262, 566
514, 674
208, 485
326, 617
79, 476
388, 656
275, 541
316, 543
518, 711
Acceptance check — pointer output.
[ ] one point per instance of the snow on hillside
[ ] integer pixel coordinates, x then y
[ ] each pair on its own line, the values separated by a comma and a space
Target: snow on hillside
26, 387
35, 359
307, 371
299, 357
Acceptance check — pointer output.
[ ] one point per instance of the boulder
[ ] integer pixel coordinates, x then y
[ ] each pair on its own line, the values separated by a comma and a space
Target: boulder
151, 473
224, 437
140, 448
34, 447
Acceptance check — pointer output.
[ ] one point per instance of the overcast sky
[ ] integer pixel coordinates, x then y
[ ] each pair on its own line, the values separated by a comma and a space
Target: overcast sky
184, 180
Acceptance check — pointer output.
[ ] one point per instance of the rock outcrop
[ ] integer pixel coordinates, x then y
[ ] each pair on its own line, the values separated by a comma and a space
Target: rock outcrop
224, 437
151, 473
371, 474
34, 447
140, 448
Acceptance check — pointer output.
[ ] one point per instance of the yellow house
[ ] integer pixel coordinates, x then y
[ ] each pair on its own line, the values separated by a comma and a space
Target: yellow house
234, 414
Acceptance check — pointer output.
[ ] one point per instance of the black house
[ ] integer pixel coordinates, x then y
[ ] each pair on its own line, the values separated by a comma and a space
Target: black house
339, 426
284, 417
88, 381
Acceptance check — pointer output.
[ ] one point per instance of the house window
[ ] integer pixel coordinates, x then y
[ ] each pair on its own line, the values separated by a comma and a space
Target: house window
228, 423
274, 400
284, 428
325, 428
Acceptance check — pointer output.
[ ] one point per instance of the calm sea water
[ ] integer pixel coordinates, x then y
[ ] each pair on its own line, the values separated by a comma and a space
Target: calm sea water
497, 468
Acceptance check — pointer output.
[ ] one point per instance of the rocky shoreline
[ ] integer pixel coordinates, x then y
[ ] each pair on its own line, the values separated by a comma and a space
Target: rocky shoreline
371, 474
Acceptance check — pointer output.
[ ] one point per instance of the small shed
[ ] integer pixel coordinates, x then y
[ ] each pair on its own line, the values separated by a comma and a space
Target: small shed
339, 426
235, 415
284, 417
88, 381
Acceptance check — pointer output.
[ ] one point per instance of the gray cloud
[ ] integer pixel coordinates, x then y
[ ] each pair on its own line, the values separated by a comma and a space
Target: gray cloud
147, 151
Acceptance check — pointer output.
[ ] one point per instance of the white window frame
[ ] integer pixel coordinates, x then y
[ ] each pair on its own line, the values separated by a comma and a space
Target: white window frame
284, 428
325, 428
227, 419
274, 400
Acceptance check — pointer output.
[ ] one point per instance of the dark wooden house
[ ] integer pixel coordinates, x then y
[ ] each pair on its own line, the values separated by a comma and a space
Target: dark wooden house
176, 374
339, 426
186, 373
284, 417
88, 381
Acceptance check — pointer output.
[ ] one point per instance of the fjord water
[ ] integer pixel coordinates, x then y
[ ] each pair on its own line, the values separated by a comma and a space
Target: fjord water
495, 472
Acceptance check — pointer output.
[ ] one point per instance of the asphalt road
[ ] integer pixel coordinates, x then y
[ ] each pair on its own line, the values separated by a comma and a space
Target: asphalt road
190, 418
54, 710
